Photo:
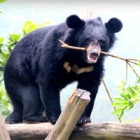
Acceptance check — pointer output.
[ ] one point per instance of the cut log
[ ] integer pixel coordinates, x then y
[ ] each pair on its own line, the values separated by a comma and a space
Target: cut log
29, 131
70, 115
91, 131
3, 131
107, 131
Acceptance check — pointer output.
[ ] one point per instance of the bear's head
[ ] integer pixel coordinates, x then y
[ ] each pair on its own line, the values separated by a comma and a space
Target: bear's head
92, 34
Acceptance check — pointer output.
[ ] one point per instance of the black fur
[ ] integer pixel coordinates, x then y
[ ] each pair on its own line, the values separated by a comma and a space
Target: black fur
74, 21
34, 74
114, 25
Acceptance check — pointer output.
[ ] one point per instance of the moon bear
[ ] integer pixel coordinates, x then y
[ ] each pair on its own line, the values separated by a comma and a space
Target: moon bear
38, 67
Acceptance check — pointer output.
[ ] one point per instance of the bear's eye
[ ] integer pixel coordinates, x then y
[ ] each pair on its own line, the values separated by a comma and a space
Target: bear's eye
101, 42
87, 41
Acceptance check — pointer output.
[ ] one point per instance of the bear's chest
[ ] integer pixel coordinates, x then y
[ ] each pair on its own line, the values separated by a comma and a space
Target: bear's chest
75, 69
72, 72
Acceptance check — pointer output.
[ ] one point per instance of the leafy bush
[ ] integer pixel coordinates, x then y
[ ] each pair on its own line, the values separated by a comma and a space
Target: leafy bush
2, 1
30, 26
5, 105
129, 94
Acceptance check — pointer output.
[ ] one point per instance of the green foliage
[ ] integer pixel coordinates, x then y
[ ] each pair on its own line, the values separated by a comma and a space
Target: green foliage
2, 1
30, 26
6, 46
129, 93
5, 105
2, 40
129, 96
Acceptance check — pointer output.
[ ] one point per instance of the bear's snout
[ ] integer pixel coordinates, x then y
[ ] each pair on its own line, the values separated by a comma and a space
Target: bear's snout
94, 55
93, 52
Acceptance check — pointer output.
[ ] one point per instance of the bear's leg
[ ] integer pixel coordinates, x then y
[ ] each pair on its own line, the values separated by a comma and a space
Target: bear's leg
32, 106
85, 118
12, 90
93, 89
16, 115
51, 100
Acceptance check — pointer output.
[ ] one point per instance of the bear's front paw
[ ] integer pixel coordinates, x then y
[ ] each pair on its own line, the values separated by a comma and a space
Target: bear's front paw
83, 120
53, 118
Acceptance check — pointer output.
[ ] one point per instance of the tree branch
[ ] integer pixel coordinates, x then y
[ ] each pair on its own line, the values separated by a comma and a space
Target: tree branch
64, 45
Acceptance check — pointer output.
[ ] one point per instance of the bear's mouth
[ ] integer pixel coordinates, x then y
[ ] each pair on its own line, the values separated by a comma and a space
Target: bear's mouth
93, 57
93, 53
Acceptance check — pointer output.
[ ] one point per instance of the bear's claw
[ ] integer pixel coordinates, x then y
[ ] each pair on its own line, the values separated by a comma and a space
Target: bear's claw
83, 120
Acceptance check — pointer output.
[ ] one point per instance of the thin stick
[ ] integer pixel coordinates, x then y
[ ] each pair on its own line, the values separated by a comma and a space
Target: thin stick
110, 97
64, 45
126, 72
133, 70
121, 58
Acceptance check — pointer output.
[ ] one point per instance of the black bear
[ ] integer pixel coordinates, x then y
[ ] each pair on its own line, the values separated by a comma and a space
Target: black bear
38, 67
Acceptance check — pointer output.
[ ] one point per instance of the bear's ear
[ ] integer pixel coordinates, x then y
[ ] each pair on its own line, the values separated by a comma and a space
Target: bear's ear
114, 25
74, 21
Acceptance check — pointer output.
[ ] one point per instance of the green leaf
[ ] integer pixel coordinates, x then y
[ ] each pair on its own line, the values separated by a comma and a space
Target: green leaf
120, 102
2, 1
5, 106
117, 104
138, 80
122, 113
125, 96
28, 27
14, 37
118, 99
1, 41
130, 107
139, 63
117, 111
5, 50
